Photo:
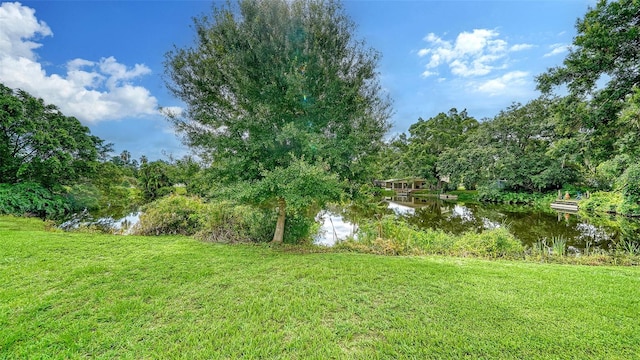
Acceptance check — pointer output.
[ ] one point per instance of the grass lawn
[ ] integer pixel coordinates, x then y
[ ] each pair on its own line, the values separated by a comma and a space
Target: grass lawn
66, 296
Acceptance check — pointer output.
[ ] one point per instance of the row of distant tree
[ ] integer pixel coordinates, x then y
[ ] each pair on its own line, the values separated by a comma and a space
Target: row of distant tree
589, 137
58, 158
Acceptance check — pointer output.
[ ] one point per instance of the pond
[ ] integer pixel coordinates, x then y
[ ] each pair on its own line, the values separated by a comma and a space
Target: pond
529, 225
115, 222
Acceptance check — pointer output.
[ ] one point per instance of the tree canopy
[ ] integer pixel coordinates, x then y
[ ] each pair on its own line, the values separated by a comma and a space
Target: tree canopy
273, 78
602, 68
272, 83
39, 144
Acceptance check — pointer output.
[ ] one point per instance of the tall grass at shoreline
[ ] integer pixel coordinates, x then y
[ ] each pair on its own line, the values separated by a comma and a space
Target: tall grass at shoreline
391, 236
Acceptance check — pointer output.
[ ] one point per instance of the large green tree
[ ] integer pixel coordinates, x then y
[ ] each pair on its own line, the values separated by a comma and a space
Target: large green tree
602, 69
519, 146
39, 144
430, 138
271, 83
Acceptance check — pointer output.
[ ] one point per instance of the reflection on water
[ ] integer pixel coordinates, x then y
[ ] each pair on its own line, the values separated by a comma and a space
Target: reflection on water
334, 229
114, 224
525, 223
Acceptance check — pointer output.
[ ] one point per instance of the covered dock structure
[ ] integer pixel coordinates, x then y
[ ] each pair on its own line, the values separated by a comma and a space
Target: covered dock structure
403, 186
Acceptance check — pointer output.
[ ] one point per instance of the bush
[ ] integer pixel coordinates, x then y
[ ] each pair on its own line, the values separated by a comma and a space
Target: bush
629, 183
172, 215
219, 221
230, 223
298, 228
490, 193
498, 242
391, 236
600, 201
83, 196
29, 198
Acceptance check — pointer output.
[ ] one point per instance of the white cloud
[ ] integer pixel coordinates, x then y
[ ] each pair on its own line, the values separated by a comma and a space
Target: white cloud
521, 47
428, 73
423, 52
92, 91
557, 49
18, 23
475, 53
504, 84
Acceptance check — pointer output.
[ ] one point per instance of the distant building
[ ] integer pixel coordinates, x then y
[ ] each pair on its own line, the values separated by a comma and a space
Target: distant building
406, 185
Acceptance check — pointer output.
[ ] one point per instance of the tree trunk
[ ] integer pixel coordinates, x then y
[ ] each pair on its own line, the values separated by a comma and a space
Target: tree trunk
279, 234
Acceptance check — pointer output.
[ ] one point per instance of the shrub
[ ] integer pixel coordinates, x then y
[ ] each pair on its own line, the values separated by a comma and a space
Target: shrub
498, 242
172, 215
391, 236
490, 193
629, 182
83, 196
230, 223
602, 202
298, 228
29, 198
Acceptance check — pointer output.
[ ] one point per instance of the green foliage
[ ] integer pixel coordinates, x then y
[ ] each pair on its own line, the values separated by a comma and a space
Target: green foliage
219, 221
605, 48
305, 188
272, 79
557, 248
300, 191
493, 193
392, 159
391, 236
629, 184
465, 195
39, 144
280, 96
299, 229
109, 192
559, 245
227, 222
517, 147
589, 137
493, 243
604, 202
625, 200
154, 179
31, 199
429, 139
629, 247
606, 44
172, 215
83, 196
490, 193
609, 171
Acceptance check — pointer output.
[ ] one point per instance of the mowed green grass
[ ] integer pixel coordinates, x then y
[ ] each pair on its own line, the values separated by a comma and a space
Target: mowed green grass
67, 296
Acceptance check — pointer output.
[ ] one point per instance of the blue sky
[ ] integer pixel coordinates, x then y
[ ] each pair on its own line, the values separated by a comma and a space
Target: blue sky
102, 61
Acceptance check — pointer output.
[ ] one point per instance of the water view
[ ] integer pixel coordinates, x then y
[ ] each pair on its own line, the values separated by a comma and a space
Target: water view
526, 223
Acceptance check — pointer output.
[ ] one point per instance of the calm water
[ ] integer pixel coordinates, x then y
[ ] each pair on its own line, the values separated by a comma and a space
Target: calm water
527, 224
116, 223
